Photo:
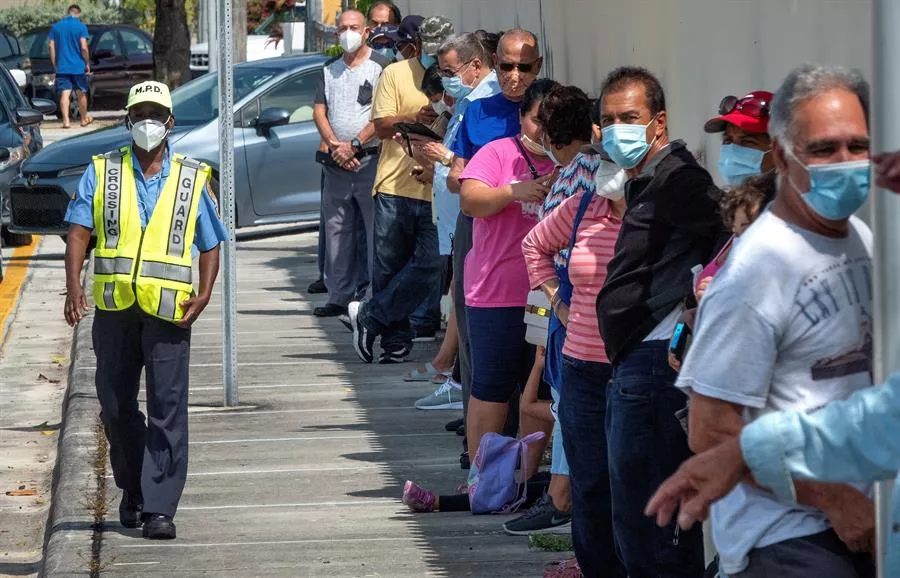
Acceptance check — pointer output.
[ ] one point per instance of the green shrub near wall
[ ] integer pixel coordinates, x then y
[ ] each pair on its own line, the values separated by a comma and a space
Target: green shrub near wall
22, 19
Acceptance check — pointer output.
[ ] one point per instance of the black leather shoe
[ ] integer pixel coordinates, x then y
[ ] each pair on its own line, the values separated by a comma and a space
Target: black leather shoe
317, 286
130, 509
454, 425
158, 527
330, 310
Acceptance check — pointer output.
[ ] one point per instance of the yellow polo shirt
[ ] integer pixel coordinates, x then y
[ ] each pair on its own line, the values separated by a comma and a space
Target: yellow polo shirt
399, 94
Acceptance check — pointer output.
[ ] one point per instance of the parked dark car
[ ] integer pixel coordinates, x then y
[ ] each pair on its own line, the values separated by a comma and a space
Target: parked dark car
121, 56
12, 55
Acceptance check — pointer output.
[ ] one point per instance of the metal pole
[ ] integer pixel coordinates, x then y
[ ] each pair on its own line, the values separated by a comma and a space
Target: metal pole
212, 34
886, 227
226, 184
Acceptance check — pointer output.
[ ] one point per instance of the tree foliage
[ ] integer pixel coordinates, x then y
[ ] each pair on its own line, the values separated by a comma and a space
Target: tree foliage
25, 18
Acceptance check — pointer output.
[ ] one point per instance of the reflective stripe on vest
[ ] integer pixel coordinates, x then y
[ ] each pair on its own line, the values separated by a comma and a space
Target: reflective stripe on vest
166, 271
112, 195
184, 196
113, 265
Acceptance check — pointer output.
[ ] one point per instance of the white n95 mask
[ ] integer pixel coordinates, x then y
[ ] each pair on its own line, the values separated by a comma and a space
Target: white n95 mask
609, 181
148, 134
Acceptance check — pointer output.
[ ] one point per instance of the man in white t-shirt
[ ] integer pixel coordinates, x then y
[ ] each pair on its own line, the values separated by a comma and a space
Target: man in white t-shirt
787, 324
343, 107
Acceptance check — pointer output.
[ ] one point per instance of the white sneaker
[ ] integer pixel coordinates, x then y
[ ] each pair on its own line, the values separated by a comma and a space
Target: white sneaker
448, 395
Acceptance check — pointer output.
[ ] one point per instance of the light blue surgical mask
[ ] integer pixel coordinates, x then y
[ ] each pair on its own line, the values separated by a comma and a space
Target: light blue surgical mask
388, 53
548, 151
626, 144
836, 190
455, 87
427, 60
738, 163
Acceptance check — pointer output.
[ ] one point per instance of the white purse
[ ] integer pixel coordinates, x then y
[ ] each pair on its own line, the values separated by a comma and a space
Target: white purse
537, 318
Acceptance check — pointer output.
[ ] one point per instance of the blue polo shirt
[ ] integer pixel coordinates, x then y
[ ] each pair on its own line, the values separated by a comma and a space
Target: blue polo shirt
66, 36
486, 120
208, 233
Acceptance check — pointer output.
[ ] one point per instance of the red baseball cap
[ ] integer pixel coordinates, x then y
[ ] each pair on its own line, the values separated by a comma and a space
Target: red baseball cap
750, 113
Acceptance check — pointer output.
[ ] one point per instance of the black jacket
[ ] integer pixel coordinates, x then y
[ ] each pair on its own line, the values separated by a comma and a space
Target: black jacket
672, 222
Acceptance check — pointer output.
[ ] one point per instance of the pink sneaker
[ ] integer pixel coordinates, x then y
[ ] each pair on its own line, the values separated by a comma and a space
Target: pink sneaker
418, 498
564, 569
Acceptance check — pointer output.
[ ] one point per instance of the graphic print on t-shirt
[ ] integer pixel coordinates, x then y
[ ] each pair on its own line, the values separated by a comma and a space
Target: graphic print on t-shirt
823, 296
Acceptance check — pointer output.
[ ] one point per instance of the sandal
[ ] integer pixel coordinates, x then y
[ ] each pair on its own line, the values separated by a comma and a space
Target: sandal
417, 375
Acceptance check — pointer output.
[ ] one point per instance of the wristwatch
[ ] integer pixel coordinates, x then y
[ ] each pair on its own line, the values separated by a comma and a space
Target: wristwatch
447, 159
356, 144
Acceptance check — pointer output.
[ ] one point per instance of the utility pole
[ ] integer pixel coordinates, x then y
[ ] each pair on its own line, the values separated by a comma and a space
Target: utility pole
239, 19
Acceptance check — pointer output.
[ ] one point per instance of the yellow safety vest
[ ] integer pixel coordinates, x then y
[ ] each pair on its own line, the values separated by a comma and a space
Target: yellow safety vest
152, 265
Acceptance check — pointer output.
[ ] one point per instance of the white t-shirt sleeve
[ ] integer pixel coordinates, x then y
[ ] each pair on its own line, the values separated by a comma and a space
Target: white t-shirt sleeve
732, 353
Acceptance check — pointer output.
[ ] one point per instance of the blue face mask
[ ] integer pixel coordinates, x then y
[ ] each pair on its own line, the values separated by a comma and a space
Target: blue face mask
626, 144
836, 190
738, 163
388, 53
427, 60
454, 87
549, 153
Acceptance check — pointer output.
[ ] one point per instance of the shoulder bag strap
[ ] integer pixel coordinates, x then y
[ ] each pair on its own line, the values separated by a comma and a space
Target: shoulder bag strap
582, 209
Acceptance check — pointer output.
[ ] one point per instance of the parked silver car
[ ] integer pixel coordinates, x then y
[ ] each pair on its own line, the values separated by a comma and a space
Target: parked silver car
277, 179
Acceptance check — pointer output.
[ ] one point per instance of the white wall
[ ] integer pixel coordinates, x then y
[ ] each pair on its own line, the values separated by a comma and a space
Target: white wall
701, 50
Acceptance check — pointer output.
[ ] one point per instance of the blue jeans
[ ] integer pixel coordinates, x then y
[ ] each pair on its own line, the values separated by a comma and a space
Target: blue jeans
582, 412
406, 268
646, 446
427, 316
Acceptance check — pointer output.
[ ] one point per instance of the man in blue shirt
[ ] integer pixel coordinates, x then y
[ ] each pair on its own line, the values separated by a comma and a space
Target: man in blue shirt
71, 61
142, 269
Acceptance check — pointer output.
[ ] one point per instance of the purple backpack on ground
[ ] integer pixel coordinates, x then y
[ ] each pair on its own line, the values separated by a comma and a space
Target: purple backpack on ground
496, 489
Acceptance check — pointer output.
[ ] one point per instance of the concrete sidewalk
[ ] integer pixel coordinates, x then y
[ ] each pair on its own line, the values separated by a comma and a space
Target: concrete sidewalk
304, 478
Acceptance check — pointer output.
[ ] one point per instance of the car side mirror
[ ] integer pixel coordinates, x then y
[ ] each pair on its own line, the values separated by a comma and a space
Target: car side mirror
269, 119
27, 116
44, 105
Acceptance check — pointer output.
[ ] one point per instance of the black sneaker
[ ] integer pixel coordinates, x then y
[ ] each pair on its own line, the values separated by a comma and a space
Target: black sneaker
158, 527
397, 356
317, 286
363, 339
464, 463
130, 509
424, 335
454, 425
329, 310
541, 518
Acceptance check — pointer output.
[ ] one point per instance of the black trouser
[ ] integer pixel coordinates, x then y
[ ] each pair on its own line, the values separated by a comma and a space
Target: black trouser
149, 459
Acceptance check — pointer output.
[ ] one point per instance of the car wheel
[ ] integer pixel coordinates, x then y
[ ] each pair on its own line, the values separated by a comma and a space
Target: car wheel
15, 239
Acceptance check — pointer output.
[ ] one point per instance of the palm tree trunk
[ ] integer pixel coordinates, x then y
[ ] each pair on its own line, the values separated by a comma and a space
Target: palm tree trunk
171, 43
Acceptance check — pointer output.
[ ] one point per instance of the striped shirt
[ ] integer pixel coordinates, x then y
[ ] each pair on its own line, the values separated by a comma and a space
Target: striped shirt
594, 246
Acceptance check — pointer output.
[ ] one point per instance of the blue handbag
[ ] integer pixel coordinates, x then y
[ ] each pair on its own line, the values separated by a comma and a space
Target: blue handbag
556, 331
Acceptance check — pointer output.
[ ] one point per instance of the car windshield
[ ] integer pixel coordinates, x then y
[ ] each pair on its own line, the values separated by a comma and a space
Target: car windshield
197, 102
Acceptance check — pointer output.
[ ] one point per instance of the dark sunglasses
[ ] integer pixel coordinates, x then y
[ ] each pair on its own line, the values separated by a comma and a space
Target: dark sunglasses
447, 73
749, 105
524, 67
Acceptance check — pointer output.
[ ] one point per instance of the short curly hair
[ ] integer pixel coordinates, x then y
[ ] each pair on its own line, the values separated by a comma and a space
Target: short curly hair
757, 191
565, 115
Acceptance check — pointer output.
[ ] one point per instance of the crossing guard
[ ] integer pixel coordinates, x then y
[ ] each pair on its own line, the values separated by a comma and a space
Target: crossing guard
150, 209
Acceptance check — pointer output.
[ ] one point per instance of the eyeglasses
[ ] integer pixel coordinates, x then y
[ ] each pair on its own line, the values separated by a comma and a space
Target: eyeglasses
750, 105
447, 73
524, 67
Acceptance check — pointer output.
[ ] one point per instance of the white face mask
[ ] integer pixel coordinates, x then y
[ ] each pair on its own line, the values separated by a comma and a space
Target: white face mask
609, 181
440, 107
350, 41
148, 134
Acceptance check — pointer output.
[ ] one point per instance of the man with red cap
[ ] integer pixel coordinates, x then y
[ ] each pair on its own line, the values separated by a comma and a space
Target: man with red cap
746, 144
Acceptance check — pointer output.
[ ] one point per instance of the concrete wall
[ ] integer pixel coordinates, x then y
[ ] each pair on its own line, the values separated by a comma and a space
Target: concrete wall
702, 50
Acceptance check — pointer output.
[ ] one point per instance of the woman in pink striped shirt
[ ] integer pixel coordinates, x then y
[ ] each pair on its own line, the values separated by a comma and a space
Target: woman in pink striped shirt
585, 369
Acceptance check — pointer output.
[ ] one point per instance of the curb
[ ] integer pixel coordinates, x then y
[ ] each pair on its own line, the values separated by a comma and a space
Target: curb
69, 531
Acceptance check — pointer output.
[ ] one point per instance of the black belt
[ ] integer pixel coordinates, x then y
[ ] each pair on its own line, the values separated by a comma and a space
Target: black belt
325, 158
369, 152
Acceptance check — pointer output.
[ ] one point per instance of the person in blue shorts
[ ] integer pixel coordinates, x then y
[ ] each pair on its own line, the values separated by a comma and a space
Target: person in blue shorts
72, 63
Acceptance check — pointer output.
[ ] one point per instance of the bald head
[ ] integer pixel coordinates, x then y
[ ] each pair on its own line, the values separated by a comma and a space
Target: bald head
518, 41
351, 16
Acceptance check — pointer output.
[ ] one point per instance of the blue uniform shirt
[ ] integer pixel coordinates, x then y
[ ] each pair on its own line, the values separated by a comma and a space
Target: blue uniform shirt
208, 233
66, 36
486, 120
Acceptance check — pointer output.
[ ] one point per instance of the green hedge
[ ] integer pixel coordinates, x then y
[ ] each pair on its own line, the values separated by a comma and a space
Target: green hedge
22, 19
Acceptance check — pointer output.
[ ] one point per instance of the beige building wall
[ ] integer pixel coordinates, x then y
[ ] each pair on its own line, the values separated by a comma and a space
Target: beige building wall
701, 50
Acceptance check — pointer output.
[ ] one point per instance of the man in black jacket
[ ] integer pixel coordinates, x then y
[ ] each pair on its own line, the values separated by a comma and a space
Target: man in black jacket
672, 223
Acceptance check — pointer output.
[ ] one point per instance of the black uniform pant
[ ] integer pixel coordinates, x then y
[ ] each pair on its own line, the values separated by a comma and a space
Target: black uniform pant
147, 458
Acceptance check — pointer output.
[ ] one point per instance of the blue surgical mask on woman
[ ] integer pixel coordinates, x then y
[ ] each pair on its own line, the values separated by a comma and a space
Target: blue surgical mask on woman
455, 87
836, 190
738, 163
388, 53
427, 60
626, 144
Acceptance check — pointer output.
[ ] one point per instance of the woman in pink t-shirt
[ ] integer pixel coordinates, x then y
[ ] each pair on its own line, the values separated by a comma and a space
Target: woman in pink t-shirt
503, 187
